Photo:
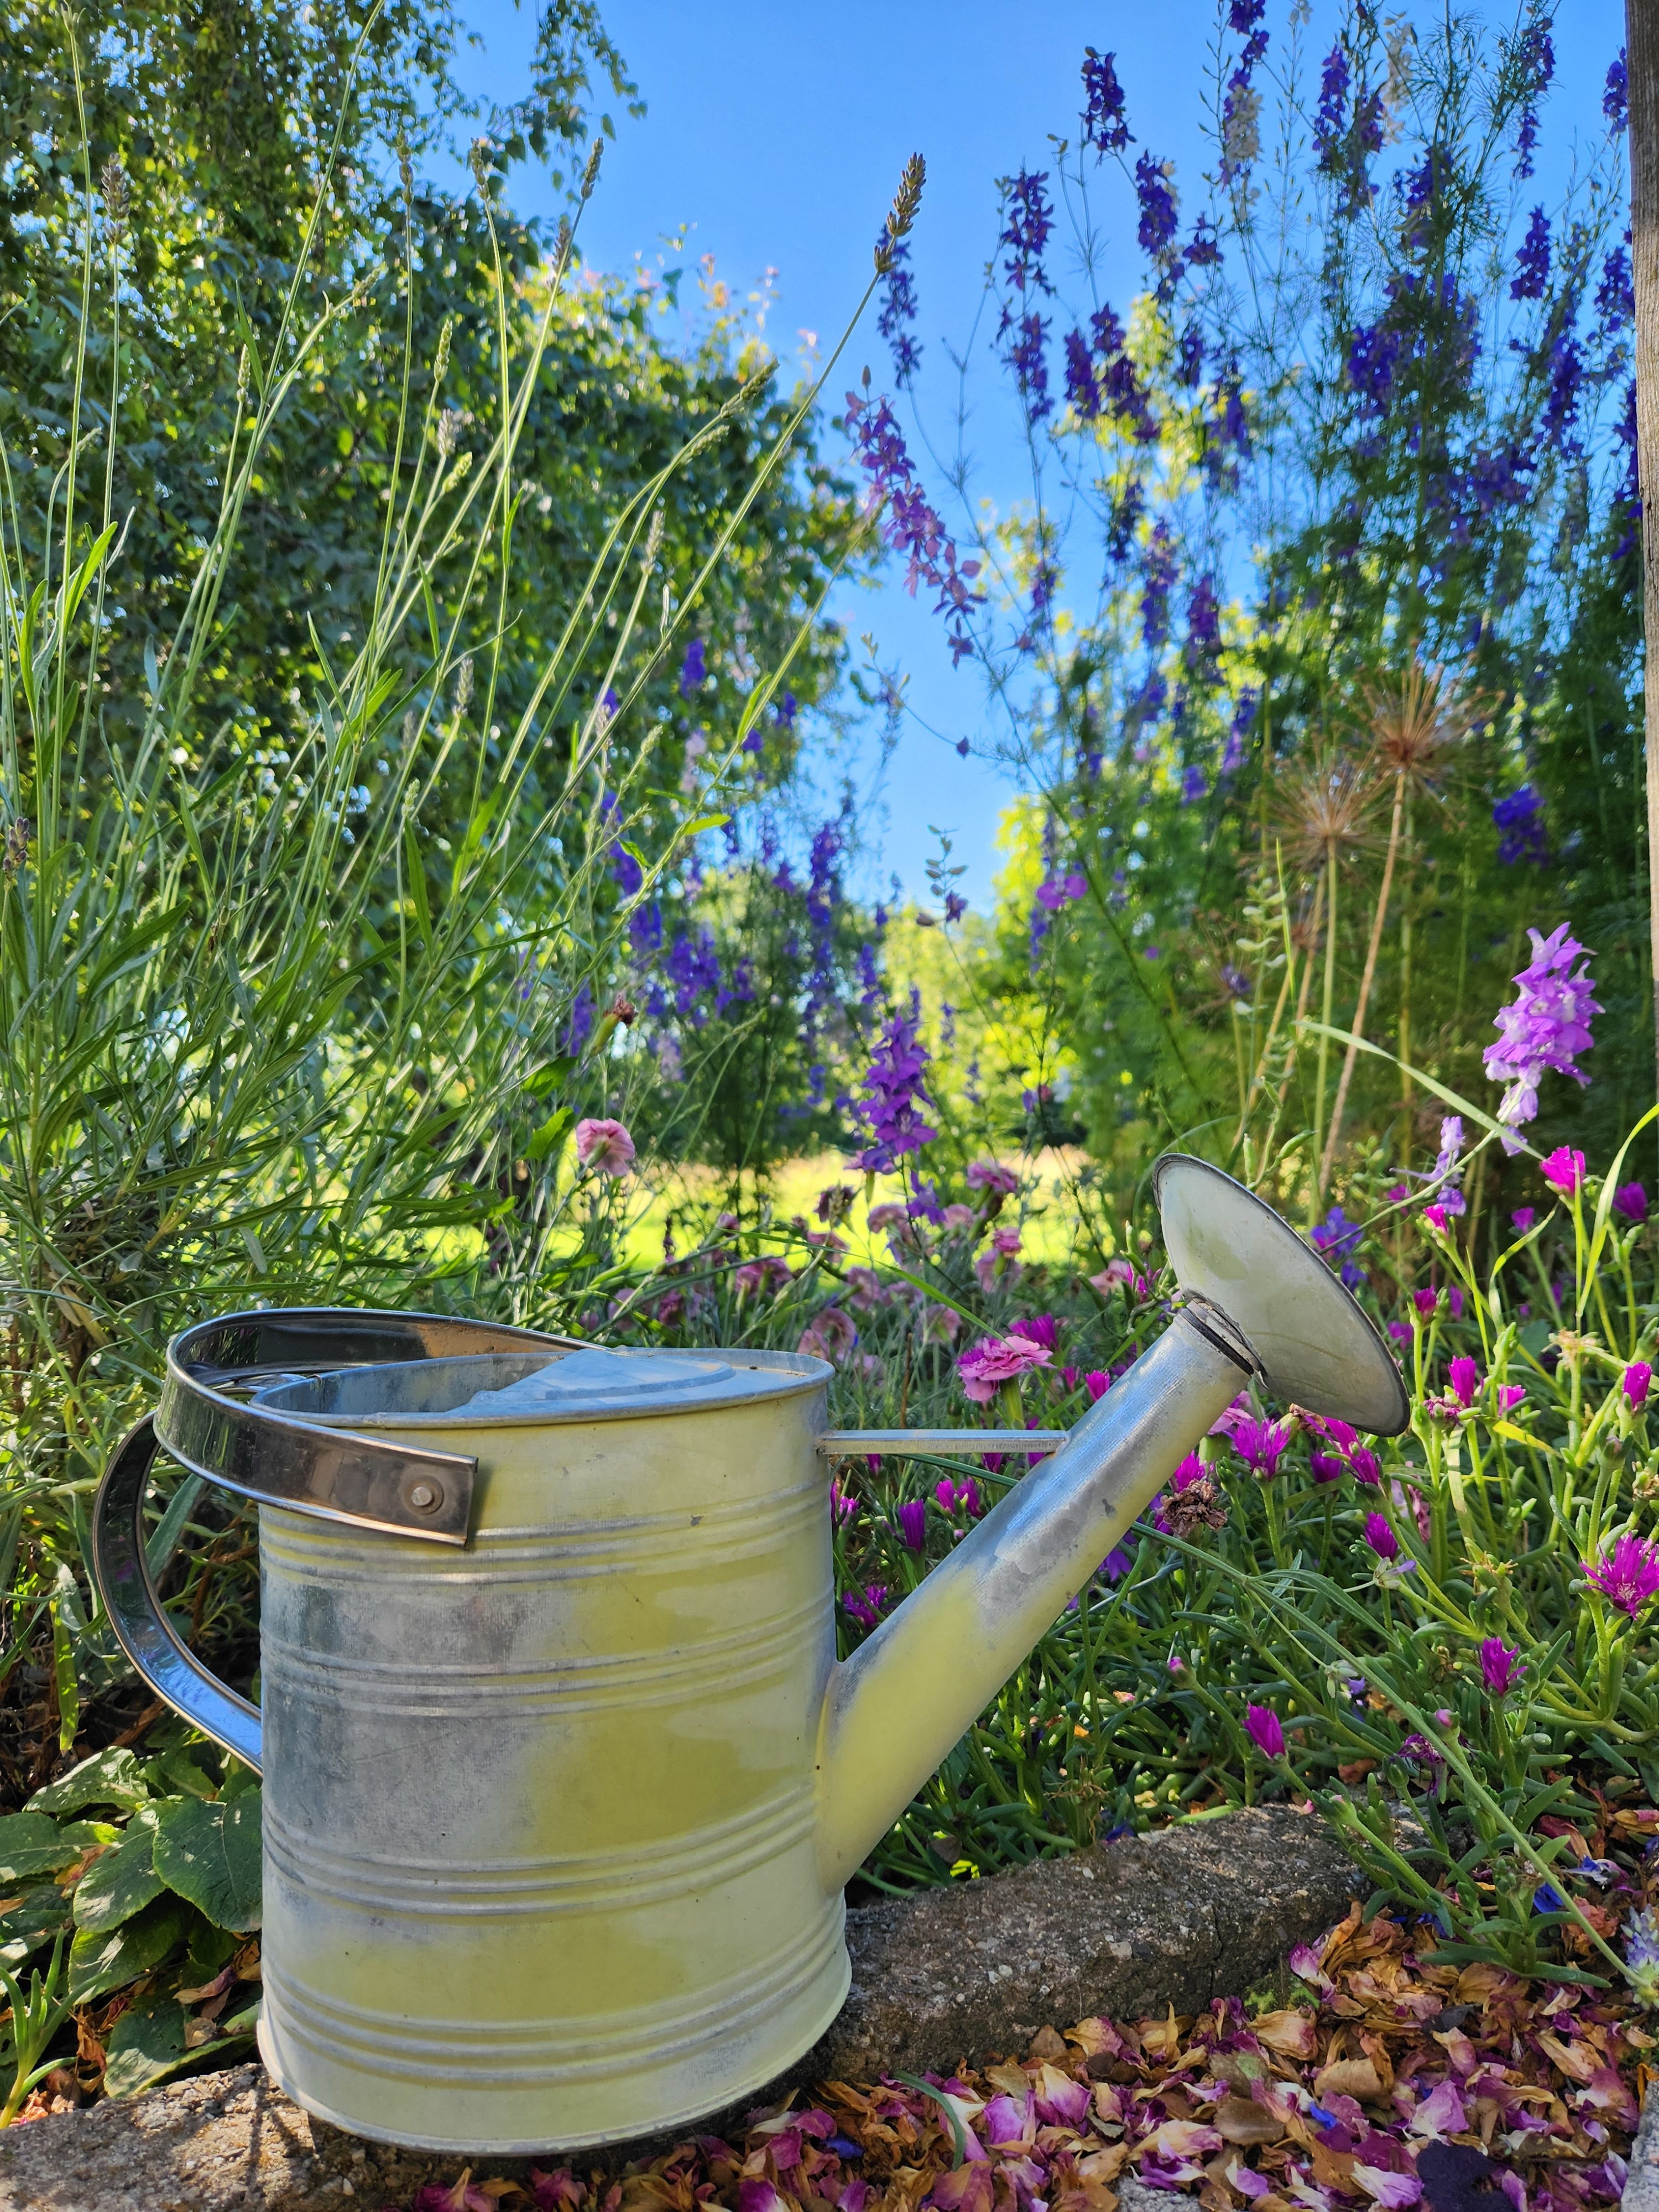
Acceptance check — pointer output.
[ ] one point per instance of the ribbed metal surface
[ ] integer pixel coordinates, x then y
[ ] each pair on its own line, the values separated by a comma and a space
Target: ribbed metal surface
540, 1857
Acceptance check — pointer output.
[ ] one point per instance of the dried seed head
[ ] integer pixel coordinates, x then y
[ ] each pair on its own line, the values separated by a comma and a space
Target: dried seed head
591, 173
1415, 720
477, 160
1327, 809
624, 1011
464, 684
409, 727
16, 846
118, 198
449, 433
903, 214
1201, 1506
562, 238
440, 359
654, 538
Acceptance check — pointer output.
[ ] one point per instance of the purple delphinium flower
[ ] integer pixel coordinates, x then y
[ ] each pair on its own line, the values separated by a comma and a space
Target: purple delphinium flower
1029, 221
1158, 219
1465, 1378
1203, 623
1266, 1730
693, 670
913, 1524
1628, 1574
910, 523
1535, 59
1566, 380
1522, 1219
1329, 116
1547, 1027
1160, 571
1532, 264
1638, 1375
1381, 1536
1615, 295
893, 1095
1630, 1201
1520, 816
1337, 1238
898, 308
1499, 1667
1122, 391
866, 1609
1615, 99
1103, 126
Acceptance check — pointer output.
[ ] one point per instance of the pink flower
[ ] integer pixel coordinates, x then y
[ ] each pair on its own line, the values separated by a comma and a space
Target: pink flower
1465, 1378
1120, 1272
1426, 1302
1380, 1537
1261, 1444
959, 1217
1498, 1668
1509, 1396
1628, 1574
1364, 1465
1006, 1241
843, 1508
955, 1497
889, 1214
940, 1325
1522, 1219
605, 1147
1631, 1200
433, 2197
828, 1335
1564, 1170
1391, 2192
1096, 1383
1637, 1375
1435, 1218
991, 1174
985, 1367
558, 2191
1265, 1730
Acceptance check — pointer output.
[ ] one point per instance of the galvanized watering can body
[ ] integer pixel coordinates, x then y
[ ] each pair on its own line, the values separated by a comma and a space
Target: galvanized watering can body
562, 1780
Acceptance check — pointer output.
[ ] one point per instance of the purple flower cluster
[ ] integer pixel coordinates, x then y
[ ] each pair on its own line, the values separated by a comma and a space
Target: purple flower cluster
1203, 625
1238, 132
1028, 223
1338, 1239
1535, 58
1157, 227
1547, 1027
1159, 573
1615, 99
1332, 111
1532, 264
910, 522
1103, 126
1521, 818
893, 1095
1615, 295
693, 669
898, 308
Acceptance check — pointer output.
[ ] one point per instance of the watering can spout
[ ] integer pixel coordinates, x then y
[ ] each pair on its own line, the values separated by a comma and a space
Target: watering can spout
1259, 1303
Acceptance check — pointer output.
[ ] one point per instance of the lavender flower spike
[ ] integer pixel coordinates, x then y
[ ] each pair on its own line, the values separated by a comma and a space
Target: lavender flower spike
893, 1096
1547, 1027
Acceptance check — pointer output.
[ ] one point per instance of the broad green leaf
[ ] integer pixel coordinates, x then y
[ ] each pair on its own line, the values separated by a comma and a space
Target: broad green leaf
177, 1772
209, 1854
552, 1132
145, 2045
32, 1923
30, 1843
122, 1881
108, 1778
103, 1960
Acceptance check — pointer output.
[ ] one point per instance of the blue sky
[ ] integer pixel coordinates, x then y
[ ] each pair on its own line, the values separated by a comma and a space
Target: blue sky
777, 133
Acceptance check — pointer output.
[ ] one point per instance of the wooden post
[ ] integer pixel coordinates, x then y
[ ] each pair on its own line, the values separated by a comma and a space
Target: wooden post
1641, 64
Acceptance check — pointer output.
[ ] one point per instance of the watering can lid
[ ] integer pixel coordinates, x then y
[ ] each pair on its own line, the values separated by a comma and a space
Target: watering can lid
598, 1372
1316, 1346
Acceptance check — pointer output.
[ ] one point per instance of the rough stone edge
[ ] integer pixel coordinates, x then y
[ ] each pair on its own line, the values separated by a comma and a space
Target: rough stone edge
178, 2149
1641, 2192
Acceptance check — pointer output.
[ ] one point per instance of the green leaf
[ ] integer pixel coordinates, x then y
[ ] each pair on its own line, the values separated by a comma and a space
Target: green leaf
122, 1881
703, 822
175, 1773
552, 1132
103, 1960
145, 2045
108, 1778
33, 1842
209, 1854
549, 1078
32, 1924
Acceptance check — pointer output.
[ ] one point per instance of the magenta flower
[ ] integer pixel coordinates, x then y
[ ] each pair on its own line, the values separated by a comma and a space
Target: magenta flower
985, 1367
1637, 1375
1522, 1219
1041, 1328
1435, 1218
604, 1146
1265, 1730
465, 2197
913, 1524
842, 1508
1364, 1465
991, 1175
955, 1497
1380, 1537
1509, 1396
1628, 1574
1260, 1444
1096, 1383
1547, 1027
1499, 1666
1191, 1469
1564, 1170
1465, 1377
1326, 1466
1426, 1302
1631, 1200
866, 1609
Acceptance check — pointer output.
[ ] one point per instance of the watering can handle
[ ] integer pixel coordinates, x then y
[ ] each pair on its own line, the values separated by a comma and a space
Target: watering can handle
141, 1625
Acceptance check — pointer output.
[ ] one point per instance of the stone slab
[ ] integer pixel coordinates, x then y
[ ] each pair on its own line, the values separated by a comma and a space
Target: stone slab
1642, 2182
1174, 1918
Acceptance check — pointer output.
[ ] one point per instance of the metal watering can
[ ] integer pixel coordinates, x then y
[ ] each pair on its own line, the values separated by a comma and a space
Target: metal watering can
562, 1780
